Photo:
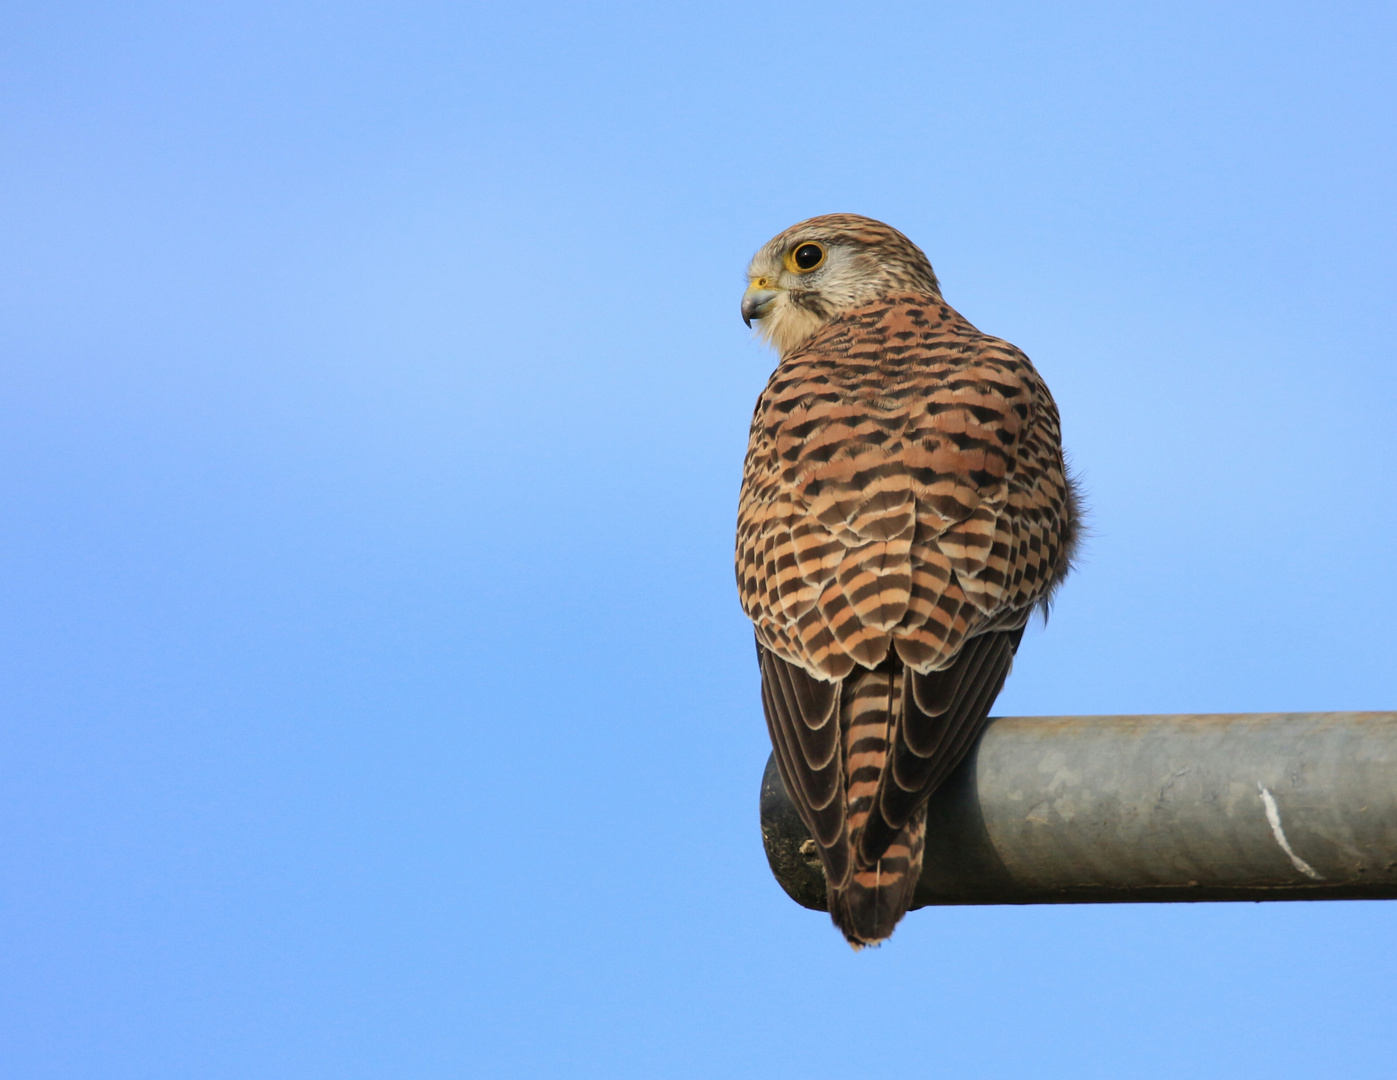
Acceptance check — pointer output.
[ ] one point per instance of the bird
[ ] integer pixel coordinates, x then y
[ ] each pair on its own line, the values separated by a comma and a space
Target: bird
905, 508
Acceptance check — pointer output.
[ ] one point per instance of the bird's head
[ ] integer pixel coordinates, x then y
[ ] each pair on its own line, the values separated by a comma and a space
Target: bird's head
813, 272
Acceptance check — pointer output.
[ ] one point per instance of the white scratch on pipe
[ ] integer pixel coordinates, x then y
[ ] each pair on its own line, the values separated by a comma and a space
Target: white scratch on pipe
1273, 815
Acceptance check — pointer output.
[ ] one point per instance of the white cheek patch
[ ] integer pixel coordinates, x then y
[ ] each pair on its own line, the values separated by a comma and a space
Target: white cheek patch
788, 326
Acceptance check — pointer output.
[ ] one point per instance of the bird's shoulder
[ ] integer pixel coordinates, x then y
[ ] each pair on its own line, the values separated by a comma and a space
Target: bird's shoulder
905, 384
909, 355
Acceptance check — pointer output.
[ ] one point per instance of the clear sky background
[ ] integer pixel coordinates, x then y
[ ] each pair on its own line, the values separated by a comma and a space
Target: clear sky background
376, 701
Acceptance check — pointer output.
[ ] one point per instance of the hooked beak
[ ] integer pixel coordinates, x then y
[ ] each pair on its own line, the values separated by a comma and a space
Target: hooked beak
756, 303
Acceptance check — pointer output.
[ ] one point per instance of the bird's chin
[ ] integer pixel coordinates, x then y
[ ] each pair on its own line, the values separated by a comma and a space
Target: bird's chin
788, 327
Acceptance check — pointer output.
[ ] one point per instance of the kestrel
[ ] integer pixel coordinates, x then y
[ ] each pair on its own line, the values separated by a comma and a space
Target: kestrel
904, 509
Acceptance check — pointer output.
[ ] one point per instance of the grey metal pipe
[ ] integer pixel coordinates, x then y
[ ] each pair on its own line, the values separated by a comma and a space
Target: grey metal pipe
1103, 809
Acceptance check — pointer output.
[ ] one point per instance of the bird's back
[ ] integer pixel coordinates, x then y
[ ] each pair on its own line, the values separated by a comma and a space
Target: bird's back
904, 506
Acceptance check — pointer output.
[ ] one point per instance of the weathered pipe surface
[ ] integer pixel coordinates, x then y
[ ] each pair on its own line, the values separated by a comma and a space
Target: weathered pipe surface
1111, 809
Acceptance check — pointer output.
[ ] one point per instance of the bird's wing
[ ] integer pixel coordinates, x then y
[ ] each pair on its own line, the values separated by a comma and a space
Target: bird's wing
921, 728
802, 717
903, 488
942, 714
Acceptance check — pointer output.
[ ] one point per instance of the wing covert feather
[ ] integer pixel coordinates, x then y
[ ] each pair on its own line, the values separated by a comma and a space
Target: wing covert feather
903, 488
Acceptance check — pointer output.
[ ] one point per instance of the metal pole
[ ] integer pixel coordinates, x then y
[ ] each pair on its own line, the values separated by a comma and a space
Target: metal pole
1111, 809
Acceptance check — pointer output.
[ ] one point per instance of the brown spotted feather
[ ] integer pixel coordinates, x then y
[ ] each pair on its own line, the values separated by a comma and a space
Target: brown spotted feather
904, 507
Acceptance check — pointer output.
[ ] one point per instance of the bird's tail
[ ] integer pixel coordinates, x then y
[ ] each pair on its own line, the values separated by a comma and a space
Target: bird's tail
873, 896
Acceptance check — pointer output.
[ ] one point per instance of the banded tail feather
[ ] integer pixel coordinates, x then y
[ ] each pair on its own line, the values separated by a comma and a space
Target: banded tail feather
863, 796
870, 906
874, 897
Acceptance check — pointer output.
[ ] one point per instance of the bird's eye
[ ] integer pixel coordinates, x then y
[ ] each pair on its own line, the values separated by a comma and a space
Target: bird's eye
806, 257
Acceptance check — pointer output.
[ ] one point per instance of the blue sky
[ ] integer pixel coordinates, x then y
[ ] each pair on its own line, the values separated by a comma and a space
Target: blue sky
372, 405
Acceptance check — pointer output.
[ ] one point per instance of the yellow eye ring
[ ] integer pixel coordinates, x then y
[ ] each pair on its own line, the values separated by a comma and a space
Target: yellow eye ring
805, 257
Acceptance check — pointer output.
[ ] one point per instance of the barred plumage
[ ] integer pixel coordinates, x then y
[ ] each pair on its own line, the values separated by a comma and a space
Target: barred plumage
904, 507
